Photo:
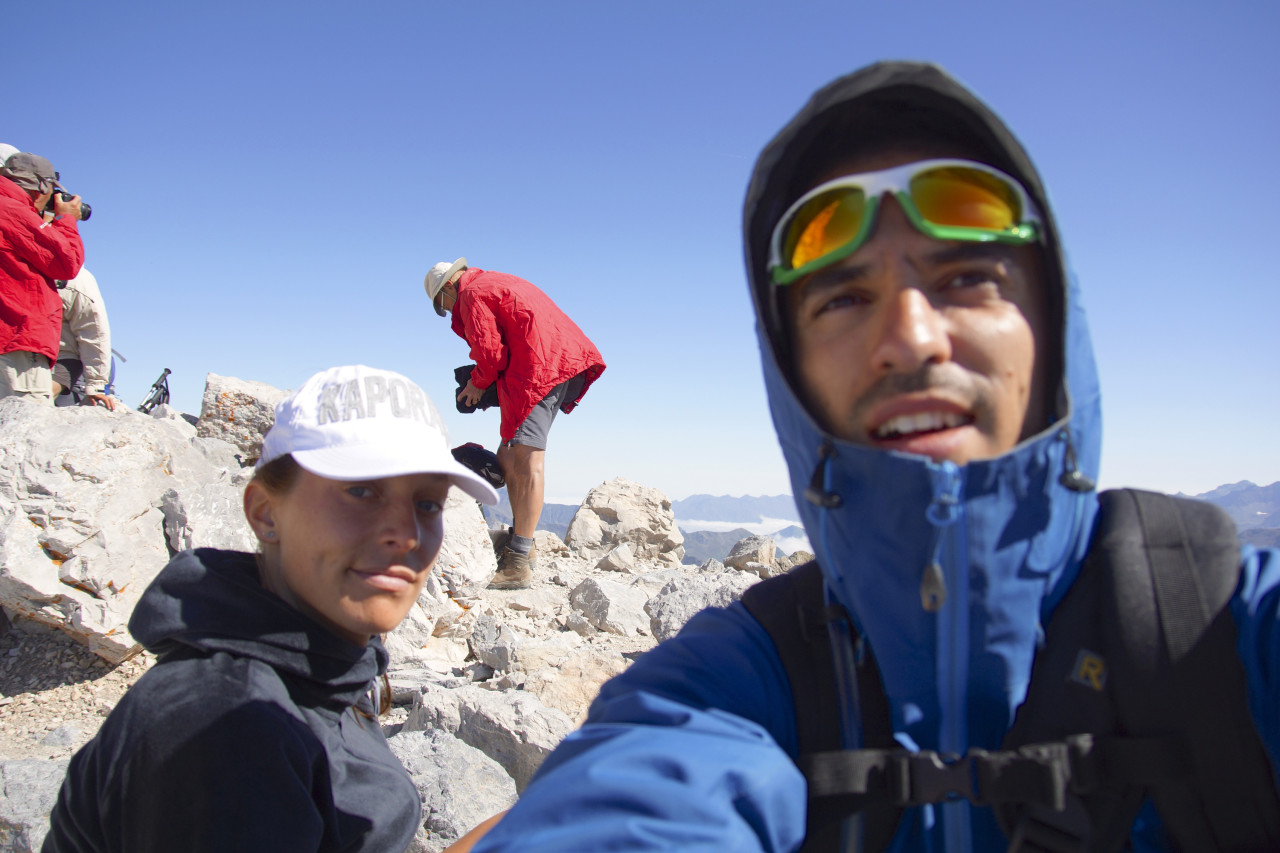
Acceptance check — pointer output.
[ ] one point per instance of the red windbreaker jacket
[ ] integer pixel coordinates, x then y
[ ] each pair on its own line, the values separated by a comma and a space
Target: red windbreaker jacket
30, 258
521, 340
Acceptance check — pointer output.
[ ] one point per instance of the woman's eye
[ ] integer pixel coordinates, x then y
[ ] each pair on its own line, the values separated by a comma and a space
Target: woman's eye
359, 491
429, 507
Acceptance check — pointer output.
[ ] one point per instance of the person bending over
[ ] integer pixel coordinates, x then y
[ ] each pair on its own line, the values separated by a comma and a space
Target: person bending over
542, 363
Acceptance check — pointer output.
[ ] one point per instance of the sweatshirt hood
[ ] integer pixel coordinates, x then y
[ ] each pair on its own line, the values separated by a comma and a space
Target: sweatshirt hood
947, 571
208, 601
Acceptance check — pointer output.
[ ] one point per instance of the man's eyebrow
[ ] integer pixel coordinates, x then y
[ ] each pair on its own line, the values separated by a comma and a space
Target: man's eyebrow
830, 278
969, 252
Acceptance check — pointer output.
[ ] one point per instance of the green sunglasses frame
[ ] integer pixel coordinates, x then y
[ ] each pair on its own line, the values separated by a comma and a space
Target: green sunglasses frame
897, 180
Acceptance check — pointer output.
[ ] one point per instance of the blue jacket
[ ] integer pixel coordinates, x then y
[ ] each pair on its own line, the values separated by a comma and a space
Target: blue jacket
692, 747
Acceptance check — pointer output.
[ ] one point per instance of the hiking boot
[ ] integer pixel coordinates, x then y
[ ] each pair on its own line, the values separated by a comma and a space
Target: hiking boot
515, 570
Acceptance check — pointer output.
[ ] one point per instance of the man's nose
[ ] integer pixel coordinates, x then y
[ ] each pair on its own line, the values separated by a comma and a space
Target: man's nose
910, 330
912, 333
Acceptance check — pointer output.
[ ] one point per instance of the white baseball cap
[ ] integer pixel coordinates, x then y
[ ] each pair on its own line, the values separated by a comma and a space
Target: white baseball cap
361, 423
438, 276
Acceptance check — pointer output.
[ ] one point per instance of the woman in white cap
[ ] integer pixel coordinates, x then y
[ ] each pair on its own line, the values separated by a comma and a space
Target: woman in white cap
255, 729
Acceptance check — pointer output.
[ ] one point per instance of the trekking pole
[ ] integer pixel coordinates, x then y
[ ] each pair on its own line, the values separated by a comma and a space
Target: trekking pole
159, 393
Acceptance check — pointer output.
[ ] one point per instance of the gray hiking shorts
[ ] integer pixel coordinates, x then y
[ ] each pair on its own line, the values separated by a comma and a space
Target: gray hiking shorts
533, 431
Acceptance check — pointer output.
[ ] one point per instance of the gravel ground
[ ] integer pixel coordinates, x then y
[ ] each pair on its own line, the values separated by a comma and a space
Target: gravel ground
54, 692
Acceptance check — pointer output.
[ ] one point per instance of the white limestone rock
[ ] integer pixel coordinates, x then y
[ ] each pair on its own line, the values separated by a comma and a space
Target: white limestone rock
84, 494
459, 785
611, 607
466, 563
495, 644
212, 517
28, 790
238, 411
753, 549
547, 544
513, 727
621, 511
620, 559
680, 599
572, 683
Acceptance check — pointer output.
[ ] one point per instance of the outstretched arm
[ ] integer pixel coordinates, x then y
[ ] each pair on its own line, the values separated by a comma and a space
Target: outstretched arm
681, 752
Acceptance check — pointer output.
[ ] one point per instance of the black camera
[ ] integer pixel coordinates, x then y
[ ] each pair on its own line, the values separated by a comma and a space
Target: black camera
85, 210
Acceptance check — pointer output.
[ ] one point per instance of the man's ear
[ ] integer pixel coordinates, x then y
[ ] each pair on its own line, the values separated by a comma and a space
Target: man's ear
259, 510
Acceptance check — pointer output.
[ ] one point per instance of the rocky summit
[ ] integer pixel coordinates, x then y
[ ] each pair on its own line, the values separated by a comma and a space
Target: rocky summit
485, 683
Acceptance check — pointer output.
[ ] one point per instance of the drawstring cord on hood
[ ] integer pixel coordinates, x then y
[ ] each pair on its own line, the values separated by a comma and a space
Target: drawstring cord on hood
1071, 477
942, 512
816, 492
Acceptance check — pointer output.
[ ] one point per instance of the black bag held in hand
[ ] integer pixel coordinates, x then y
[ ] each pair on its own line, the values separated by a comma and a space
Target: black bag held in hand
462, 375
483, 462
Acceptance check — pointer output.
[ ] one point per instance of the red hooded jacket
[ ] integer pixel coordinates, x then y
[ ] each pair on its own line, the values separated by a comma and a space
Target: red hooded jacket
521, 340
31, 257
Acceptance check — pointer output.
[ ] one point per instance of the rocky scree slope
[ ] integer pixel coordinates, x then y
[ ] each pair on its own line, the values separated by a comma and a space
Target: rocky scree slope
485, 683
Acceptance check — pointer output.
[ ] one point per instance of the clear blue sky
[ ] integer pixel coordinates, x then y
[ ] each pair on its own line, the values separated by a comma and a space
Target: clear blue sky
270, 182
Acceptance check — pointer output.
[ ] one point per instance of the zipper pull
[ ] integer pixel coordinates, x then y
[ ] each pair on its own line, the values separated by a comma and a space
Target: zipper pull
933, 588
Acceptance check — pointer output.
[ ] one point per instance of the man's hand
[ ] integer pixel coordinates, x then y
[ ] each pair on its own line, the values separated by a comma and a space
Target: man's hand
101, 400
66, 208
471, 394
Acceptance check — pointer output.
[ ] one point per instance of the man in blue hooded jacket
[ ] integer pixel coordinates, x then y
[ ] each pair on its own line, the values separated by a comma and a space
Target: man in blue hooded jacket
933, 387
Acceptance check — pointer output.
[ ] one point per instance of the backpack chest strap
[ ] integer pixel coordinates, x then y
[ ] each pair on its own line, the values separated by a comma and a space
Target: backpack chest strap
1035, 774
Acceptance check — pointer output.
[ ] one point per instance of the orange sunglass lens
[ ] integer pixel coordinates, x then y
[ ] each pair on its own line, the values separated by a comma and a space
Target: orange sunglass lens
823, 225
966, 197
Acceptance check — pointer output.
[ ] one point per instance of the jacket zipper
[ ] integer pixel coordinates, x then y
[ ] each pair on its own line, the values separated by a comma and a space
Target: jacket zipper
943, 590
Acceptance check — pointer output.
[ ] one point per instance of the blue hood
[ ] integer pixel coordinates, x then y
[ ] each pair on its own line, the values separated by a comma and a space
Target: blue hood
1006, 535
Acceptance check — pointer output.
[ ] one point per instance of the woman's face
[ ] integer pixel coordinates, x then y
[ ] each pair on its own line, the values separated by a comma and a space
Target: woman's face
351, 555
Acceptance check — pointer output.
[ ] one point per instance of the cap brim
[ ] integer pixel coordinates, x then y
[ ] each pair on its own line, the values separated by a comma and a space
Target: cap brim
365, 463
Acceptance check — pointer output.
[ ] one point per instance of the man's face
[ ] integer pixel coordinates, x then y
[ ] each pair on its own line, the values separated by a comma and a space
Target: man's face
40, 198
920, 345
448, 296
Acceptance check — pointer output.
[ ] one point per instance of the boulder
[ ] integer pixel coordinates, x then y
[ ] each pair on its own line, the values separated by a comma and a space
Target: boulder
512, 727
680, 599
466, 563
459, 785
28, 790
759, 550
495, 644
611, 607
571, 683
93, 504
547, 544
620, 559
622, 512
239, 412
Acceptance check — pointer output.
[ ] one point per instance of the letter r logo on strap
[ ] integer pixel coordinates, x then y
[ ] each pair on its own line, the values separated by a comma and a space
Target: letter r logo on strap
1090, 670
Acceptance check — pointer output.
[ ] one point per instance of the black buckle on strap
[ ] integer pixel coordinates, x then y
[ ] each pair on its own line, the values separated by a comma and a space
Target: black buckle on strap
916, 778
1041, 774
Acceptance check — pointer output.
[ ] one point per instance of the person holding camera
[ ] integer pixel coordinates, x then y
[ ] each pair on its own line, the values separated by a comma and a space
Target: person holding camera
33, 254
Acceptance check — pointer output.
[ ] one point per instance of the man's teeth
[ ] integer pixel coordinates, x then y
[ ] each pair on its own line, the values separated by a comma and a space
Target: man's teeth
921, 422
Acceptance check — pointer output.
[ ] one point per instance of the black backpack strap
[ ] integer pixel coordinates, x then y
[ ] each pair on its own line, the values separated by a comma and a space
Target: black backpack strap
1141, 652
792, 608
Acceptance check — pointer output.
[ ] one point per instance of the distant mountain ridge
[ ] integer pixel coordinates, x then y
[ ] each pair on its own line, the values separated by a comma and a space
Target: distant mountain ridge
555, 517
1250, 506
747, 509
1255, 510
